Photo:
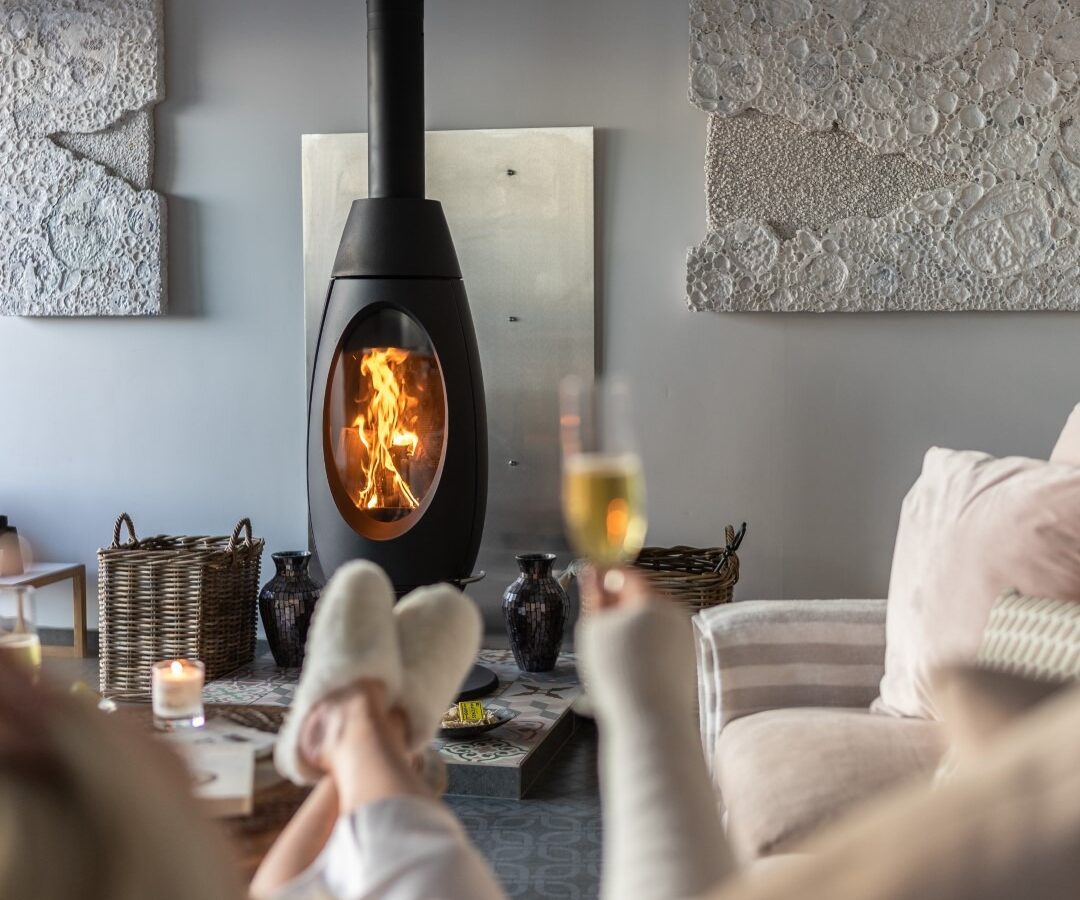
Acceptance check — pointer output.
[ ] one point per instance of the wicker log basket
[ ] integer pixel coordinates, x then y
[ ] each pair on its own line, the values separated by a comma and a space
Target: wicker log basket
695, 578
168, 597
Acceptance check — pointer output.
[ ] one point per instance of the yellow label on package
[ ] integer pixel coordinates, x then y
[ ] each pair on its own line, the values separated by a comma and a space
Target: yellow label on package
471, 711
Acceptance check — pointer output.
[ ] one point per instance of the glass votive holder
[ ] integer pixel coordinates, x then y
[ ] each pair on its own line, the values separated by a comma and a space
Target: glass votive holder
176, 691
19, 639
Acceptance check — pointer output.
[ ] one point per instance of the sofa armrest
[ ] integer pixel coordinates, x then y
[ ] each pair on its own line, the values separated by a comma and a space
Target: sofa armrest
773, 654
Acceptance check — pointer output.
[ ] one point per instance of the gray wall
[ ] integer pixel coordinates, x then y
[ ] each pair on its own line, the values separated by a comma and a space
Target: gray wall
811, 428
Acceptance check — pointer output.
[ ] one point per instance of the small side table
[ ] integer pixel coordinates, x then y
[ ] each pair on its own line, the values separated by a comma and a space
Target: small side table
41, 574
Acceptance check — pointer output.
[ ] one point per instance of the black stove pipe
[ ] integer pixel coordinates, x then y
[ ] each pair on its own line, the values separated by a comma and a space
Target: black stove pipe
396, 98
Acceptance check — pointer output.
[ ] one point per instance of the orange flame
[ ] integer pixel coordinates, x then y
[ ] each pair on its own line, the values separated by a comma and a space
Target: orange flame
386, 427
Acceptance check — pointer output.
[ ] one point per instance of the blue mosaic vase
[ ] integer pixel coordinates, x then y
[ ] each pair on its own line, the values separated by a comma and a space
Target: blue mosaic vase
535, 609
286, 603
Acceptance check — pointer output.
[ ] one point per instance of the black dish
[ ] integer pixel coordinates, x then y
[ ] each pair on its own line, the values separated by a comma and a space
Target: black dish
463, 732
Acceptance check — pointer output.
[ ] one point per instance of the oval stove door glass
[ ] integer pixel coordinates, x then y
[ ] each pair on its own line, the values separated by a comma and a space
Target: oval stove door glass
385, 424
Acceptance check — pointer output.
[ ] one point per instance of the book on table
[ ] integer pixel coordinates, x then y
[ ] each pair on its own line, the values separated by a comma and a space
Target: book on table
223, 777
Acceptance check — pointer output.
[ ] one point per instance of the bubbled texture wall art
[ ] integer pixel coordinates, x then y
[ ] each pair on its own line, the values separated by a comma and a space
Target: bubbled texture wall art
888, 154
81, 233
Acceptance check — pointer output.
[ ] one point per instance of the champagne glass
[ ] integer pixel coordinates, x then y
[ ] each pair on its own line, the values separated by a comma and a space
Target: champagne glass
603, 493
19, 640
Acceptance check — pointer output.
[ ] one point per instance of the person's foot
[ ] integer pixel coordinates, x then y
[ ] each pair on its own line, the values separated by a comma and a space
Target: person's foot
439, 631
357, 740
354, 723
352, 639
352, 715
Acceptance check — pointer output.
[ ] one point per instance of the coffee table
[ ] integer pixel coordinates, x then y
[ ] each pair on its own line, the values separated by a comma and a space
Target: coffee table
504, 762
275, 800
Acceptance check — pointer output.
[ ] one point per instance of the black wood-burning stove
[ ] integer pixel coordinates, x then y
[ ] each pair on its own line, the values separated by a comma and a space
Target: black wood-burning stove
397, 433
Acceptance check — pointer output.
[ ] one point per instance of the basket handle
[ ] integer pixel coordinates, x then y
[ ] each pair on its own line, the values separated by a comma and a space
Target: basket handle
733, 540
245, 526
124, 519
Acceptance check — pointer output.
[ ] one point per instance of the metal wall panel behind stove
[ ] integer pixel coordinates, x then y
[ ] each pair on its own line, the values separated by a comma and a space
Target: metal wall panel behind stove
520, 205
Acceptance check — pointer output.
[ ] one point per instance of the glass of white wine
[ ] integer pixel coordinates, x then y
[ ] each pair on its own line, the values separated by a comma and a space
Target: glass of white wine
19, 640
603, 491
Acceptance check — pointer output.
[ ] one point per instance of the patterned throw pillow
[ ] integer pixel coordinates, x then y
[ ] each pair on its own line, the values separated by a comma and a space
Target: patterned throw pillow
1030, 650
1032, 636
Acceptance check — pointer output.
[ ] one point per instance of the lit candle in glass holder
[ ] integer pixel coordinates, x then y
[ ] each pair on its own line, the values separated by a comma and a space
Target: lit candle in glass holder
176, 690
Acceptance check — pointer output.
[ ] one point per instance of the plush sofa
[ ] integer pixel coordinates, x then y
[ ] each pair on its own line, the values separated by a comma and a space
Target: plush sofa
785, 688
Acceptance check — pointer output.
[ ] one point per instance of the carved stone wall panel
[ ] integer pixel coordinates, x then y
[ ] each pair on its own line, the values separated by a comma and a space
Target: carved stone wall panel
80, 231
125, 149
965, 113
772, 170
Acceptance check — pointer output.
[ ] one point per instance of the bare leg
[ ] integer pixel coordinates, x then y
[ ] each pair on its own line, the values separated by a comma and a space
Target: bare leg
373, 812
360, 744
300, 843
377, 680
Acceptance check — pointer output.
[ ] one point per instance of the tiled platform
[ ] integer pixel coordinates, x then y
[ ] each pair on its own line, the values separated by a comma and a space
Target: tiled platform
503, 763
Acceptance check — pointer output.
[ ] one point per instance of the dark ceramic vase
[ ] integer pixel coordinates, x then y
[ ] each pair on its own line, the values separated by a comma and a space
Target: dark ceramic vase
535, 609
286, 603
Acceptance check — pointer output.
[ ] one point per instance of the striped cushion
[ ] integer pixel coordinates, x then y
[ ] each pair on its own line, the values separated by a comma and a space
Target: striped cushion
1032, 636
775, 654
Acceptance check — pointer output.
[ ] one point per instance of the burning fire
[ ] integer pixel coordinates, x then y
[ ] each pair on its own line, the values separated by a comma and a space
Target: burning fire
387, 428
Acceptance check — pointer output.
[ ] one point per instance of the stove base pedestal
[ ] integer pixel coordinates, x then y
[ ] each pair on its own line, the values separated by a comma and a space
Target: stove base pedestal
480, 682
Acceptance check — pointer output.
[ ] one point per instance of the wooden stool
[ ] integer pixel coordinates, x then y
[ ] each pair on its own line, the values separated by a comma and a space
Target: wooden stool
41, 574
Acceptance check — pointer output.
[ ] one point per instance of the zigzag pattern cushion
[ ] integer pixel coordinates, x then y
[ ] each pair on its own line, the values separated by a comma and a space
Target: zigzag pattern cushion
1032, 636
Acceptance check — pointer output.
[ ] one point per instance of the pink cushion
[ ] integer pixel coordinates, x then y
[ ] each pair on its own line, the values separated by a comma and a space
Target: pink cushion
972, 527
1067, 449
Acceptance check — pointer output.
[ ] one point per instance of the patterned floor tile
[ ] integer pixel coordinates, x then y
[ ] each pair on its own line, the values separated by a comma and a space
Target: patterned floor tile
233, 692
482, 751
279, 695
539, 699
546, 846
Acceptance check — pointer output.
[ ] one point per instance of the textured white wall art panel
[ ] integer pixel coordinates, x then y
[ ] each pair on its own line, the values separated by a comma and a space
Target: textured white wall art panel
963, 191
81, 234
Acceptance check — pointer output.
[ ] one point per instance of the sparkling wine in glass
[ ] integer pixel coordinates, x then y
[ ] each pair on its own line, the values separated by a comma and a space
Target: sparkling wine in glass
19, 640
603, 484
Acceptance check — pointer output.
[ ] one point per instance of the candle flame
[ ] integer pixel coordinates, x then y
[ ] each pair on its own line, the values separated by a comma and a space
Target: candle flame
177, 667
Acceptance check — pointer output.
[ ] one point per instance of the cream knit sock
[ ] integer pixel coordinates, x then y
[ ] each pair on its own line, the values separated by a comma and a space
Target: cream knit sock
662, 834
352, 636
439, 631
